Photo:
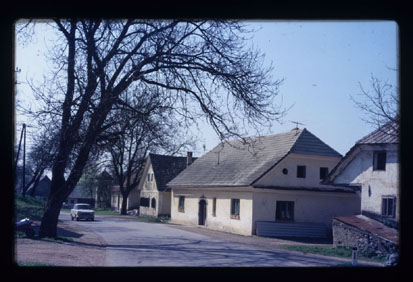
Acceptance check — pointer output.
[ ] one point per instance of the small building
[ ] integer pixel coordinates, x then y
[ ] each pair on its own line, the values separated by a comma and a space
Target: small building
155, 196
133, 198
79, 195
103, 190
268, 186
372, 164
42, 189
116, 198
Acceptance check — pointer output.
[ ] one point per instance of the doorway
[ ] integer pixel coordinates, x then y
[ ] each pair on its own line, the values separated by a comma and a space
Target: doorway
202, 212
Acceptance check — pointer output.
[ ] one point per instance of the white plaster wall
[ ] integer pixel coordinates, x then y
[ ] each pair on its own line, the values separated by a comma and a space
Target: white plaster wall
316, 207
149, 190
275, 177
381, 183
222, 221
164, 203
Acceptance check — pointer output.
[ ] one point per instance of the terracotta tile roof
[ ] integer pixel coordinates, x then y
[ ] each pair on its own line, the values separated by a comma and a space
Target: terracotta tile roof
241, 164
370, 225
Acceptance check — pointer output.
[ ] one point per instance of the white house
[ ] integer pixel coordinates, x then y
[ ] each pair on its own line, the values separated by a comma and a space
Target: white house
269, 185
155, 197
373, 165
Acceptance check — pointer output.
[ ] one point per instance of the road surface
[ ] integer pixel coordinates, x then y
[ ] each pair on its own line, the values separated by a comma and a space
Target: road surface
132, 243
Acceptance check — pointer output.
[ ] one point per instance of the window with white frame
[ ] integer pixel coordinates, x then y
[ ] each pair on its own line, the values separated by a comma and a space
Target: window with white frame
388, 206
214, 207
235, 209
181, 205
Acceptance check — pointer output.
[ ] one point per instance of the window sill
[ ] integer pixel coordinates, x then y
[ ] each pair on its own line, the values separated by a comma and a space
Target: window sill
235, 217
181, 210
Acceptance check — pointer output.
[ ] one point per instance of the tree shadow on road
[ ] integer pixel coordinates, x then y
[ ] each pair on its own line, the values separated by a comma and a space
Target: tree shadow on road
189, 252
61, 231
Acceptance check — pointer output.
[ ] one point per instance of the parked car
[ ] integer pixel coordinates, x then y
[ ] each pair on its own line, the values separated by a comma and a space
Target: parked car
82, 211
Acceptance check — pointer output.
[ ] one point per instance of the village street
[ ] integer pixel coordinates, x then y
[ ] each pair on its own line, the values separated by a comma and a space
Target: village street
132, 243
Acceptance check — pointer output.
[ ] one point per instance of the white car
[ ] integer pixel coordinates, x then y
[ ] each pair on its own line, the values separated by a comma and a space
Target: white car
82, 211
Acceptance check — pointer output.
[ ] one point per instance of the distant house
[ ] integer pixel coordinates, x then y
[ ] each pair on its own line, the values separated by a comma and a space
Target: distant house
103, 190
42, 190
372, 164
116, 198
269, 186
79, 195
133, 198
155, 196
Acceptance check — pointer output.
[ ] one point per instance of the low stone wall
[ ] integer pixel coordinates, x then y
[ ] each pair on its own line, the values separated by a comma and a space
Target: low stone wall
349, 236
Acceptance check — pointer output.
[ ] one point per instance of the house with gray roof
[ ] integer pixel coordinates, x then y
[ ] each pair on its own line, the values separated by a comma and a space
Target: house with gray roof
372, 164
267, 185
155, 196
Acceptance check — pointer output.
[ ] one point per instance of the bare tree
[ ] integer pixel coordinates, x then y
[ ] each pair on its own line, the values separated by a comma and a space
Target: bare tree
204, 68
40, 158
143, 123
380, 104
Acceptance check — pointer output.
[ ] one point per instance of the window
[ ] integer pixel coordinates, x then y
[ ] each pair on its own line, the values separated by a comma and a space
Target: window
388, 206
144, 202
285, 171
379, 161
181, 206
153, 203
150, 177
323, 172
214, 207
301, 171
235, 208
284, 211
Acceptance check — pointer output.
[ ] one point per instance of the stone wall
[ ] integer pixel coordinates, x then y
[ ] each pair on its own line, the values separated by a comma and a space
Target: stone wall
348, 236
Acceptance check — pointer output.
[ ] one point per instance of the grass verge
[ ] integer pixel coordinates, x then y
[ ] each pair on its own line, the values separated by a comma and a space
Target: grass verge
33, 264
342, 252
28, 207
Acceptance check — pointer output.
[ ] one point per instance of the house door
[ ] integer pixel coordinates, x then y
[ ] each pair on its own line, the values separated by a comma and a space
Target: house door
202, 212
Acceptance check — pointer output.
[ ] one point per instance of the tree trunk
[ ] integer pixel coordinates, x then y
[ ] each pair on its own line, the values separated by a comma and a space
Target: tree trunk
124, 203
48, 225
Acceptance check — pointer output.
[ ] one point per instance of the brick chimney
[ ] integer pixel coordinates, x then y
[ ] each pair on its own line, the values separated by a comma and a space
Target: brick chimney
188, 159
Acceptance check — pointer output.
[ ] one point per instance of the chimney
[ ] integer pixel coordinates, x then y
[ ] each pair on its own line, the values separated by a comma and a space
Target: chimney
188, 159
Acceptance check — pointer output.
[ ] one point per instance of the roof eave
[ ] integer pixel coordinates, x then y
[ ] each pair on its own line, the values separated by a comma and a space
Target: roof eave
311, 189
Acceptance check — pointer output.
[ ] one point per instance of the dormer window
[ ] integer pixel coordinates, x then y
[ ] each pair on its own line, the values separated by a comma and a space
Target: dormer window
379, 160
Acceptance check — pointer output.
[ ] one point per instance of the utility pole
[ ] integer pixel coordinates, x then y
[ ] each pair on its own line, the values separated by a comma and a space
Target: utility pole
22, 136
24, 160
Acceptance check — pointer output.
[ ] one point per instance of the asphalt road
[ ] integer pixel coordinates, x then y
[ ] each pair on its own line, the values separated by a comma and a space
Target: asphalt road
132, 243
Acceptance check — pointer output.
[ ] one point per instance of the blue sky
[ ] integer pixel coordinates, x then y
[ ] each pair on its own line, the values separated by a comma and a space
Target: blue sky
321, 62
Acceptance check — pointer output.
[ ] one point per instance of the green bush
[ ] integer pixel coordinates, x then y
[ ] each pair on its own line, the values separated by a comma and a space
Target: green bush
344, 252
